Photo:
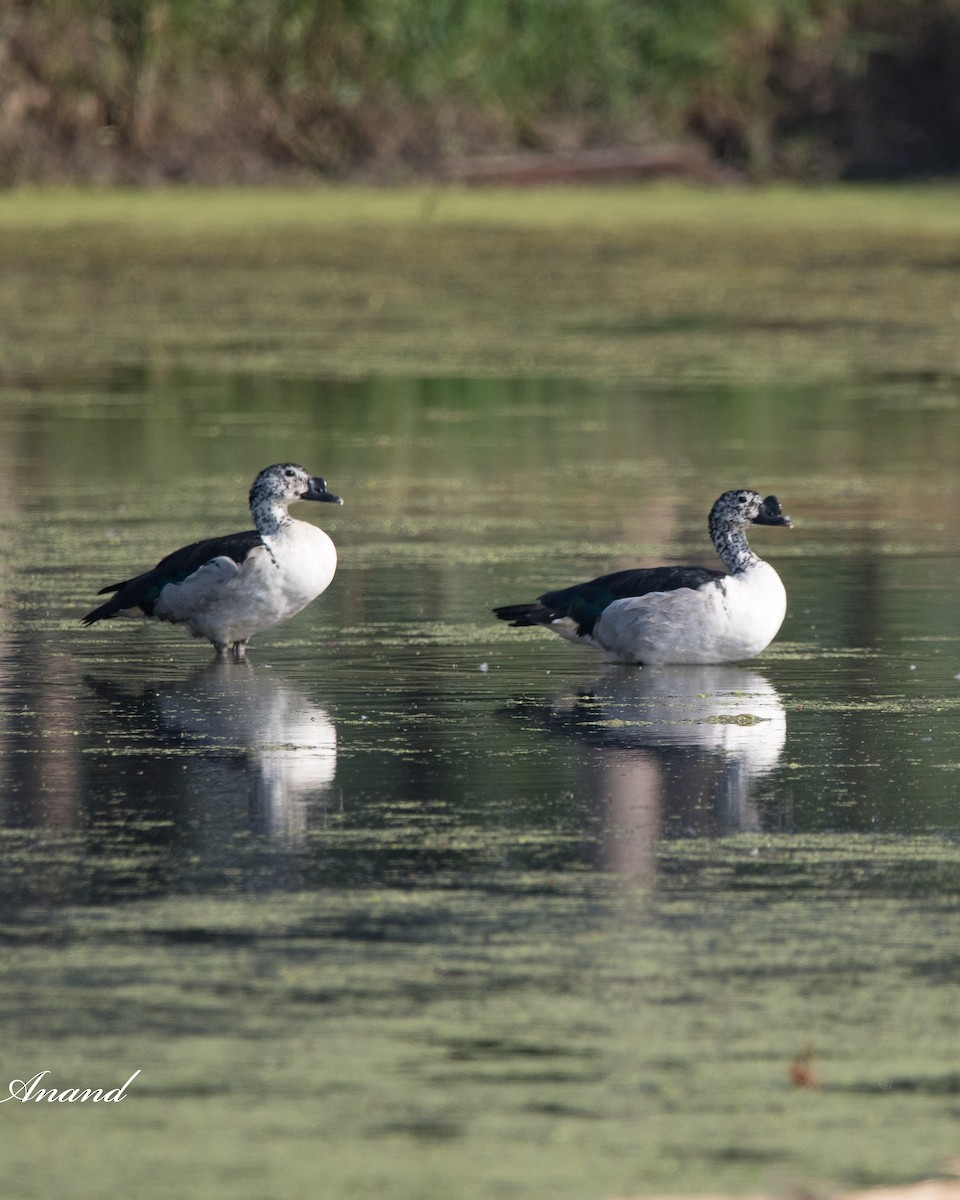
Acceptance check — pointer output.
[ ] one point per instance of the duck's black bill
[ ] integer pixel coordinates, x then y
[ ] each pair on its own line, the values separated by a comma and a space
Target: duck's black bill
318, 491
771, 513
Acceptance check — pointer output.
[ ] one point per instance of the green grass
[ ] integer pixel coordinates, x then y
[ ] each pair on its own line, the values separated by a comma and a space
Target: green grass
662, 284
176, 211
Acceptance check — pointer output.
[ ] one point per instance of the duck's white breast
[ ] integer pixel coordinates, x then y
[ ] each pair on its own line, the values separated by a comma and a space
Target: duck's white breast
724, 621
305, 563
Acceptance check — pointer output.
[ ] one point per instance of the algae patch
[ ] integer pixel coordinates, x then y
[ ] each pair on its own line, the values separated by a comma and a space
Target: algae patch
348, 283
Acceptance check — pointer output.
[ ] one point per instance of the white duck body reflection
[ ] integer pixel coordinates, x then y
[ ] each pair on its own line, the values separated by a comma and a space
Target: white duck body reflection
723, 710
290, 744
678, 750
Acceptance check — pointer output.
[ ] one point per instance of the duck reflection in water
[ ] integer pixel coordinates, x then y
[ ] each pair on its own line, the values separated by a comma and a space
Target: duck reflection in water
678, 751
229, 720
290, 745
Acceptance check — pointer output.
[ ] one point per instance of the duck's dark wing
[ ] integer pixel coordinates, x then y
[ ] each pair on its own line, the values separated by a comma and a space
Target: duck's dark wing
143, 590
584, 602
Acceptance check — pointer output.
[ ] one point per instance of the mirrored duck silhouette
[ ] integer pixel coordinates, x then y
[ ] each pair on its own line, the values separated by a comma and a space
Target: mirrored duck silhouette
677, 751
238, 734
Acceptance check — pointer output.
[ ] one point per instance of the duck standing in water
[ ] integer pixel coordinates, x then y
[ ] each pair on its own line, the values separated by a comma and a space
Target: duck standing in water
677, 614
226, 589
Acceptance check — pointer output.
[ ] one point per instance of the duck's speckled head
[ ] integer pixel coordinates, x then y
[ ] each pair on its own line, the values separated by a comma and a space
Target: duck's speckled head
285, 482
739, 508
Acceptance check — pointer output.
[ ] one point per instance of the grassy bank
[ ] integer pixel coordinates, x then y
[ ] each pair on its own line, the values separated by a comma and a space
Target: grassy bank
658, 285
232, 91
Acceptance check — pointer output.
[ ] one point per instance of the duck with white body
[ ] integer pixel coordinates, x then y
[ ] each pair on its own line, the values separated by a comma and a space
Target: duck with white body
226, 589
677, 614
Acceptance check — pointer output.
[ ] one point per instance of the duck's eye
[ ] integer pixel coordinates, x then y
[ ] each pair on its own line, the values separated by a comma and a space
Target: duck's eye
742, 498
290, 473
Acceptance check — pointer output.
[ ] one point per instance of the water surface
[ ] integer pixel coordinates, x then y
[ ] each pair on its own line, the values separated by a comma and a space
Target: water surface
418, 904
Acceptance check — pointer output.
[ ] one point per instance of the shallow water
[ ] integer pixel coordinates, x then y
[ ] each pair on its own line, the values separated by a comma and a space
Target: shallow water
418, 904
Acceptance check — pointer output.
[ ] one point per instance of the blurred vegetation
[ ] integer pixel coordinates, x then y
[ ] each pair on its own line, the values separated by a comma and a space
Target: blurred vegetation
253, 90
663, 284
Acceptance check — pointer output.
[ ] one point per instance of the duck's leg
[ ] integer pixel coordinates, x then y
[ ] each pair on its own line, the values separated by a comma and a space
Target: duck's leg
221, 649
239, 651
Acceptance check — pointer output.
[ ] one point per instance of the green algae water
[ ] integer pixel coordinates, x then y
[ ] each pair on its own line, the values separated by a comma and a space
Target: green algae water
418, 905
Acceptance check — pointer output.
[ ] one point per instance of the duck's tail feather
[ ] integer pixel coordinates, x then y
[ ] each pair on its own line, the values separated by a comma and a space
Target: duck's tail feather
110, 609
126, 595
525, 614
